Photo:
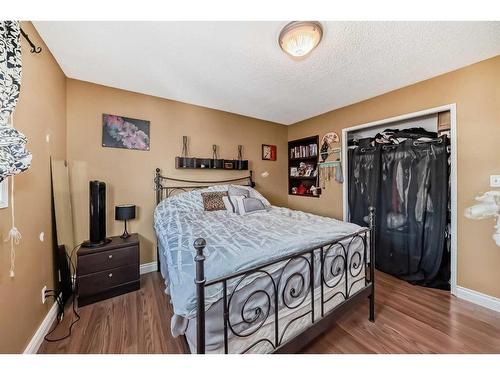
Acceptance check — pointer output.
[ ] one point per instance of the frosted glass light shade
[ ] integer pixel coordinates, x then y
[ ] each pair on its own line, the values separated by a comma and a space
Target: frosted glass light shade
299, 38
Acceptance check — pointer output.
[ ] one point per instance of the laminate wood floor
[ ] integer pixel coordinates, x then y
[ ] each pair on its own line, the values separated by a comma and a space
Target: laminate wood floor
409, 319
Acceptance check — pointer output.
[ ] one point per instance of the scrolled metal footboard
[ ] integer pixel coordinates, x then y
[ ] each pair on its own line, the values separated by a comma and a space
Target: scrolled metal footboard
291, 284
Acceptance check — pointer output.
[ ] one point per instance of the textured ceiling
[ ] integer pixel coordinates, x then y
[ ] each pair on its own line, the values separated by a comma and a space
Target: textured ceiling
238, 66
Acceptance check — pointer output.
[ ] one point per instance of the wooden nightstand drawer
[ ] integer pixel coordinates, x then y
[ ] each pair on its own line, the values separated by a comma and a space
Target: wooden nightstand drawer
101, 281
109, 270
106, 260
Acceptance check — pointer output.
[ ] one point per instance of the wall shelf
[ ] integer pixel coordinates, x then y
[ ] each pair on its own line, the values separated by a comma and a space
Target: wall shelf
303, 151
306, 195
303, 178
305, 158
207, 163
329, 164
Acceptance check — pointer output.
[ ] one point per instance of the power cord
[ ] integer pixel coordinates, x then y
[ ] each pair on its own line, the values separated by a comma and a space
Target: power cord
57, 298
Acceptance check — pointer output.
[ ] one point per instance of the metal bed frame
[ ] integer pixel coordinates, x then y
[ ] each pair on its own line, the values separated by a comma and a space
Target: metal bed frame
339, 260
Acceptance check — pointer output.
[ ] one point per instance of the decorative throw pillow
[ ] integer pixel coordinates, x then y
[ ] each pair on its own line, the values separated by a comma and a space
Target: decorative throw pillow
248, 205
212, 201
237, 191
230, 207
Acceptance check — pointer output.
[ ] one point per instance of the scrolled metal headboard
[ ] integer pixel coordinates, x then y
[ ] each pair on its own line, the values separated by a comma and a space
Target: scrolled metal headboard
164, 189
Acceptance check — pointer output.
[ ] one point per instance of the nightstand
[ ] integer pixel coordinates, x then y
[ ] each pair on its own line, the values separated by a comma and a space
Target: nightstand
109, 270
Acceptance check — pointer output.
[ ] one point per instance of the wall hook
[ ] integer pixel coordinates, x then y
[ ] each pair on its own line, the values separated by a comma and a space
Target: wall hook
34, 49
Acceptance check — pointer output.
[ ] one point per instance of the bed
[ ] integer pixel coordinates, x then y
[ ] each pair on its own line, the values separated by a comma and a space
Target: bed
267, 282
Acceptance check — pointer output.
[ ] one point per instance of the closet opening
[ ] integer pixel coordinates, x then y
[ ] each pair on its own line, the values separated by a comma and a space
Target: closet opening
405, 167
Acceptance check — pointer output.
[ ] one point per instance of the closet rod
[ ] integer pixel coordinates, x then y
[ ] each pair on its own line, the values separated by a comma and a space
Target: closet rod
34, 49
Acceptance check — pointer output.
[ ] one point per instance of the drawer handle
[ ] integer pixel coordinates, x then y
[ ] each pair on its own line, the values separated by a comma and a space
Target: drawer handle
110, 275
110, 256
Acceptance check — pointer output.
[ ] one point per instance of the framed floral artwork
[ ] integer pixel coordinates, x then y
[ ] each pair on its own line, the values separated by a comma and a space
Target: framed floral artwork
125, 132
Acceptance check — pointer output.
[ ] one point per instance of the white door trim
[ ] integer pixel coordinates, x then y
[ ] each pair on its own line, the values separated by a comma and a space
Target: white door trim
453, 175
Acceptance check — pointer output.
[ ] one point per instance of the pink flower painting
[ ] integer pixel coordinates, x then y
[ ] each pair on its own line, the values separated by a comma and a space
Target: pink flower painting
124, 132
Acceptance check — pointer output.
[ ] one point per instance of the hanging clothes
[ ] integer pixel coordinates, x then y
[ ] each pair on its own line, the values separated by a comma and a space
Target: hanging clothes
405, 177
364, 172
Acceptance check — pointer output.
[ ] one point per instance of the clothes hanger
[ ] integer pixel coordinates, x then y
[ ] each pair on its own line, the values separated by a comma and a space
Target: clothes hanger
417, 143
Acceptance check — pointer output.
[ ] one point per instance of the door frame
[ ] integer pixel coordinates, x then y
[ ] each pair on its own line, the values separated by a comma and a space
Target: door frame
453, 173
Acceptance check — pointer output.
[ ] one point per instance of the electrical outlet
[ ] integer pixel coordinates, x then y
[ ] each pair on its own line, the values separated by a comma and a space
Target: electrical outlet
44, 297
495, 181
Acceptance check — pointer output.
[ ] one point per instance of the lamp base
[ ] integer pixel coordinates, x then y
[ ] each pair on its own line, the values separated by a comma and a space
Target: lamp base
125, 235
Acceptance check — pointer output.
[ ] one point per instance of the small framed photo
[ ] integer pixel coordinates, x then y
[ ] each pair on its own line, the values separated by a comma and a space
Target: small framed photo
293, 171
310, 171
301, 170
269, 152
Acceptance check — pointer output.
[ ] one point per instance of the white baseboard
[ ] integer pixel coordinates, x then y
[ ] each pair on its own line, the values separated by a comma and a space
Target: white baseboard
44, 327
40, 333
148, 267
478, 298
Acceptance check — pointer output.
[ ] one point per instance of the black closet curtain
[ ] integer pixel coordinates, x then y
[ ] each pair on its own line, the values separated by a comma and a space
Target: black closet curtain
407, 183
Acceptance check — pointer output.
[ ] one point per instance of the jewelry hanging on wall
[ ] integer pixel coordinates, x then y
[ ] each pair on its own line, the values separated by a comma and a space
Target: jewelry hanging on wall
330, 169
326, 173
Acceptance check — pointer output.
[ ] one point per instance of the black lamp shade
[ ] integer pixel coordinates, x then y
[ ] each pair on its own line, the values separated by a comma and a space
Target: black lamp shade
125, 212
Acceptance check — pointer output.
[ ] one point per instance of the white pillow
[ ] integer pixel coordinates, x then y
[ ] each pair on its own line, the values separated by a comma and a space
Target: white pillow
230, 206
253, 194
233, 190
248, 205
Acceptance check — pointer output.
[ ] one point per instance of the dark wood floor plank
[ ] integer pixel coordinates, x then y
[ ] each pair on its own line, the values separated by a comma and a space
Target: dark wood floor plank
409, 319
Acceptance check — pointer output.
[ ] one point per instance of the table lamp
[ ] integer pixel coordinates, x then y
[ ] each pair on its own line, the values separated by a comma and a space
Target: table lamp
125, 212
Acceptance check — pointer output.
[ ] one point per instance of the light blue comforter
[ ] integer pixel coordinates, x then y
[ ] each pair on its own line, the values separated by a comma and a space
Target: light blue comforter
234, 242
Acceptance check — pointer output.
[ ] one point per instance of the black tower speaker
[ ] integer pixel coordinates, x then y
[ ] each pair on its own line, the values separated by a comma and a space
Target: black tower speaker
97, 215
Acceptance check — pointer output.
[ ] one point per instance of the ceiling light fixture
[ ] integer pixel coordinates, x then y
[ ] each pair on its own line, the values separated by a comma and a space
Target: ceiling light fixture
299, 38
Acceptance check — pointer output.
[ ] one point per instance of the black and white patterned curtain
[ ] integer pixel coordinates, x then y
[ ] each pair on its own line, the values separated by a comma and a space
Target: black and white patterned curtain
14, 158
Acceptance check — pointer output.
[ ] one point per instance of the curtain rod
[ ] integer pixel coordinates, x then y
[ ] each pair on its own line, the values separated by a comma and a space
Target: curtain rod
34, 49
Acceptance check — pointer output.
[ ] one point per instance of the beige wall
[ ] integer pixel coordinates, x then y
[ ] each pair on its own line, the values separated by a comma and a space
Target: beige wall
129, 173
476, 91
41, 110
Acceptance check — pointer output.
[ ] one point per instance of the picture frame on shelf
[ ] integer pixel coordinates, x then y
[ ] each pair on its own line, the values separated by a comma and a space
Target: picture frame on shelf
301, 170
293, 171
